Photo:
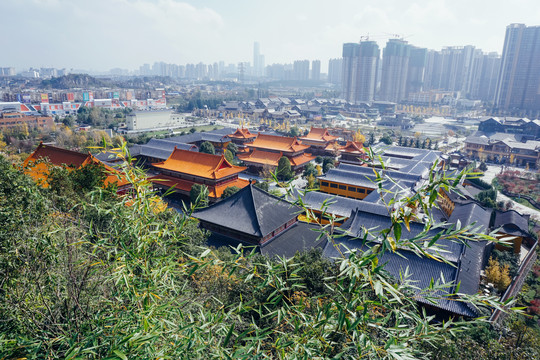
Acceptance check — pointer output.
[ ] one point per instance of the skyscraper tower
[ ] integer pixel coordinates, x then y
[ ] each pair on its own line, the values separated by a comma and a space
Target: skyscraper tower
395, 65
518, 86
258, 60
359, 71
316, 70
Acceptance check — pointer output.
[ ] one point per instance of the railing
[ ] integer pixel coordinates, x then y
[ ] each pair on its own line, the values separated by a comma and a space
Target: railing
516, 284
528, 198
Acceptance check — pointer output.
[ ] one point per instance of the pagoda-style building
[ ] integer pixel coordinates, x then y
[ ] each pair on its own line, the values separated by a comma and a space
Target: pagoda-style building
254, 217
319, 140
266, 150
353, 153
184, 168
241, 137
38, 164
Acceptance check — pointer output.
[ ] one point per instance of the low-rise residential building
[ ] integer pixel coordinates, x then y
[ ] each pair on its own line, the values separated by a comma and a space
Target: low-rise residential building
17, 119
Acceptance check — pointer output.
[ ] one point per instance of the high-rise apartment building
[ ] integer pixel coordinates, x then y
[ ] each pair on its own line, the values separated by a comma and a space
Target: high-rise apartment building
416, 70
450, 69
395, 65
334, 71
316, 70
301, 70
359, 71
518, 86
484, 75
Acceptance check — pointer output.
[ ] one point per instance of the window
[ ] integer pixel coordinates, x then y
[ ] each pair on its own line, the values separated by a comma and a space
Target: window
342, 187
361, 190
324, 183
333, 186
369, 191
352, 188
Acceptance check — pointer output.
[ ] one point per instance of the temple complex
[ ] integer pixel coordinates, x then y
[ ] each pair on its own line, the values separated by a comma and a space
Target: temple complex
184, 168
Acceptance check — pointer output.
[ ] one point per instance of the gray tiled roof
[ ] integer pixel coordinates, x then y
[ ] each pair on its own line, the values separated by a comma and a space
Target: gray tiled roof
402, 151
251, 211
422, 271
299, 237
337, 205
374, 218
471, 213
512, 223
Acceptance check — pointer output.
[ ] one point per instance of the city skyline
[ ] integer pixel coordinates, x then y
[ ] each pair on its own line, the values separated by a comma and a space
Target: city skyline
127, 33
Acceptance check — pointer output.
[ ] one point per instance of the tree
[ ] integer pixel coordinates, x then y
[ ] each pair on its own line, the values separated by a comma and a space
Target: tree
483, 166
493, 271
229, 156
294, 132
328, 163
233, 148
386, 139
309, 169
192, 130
359, 137
284, 171
312, 182
68, 121
207, 148
199, 195
229, 191
498, 275
263, 185
319, 159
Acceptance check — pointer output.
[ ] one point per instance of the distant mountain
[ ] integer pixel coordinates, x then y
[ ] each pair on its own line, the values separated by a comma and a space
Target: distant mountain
72, 81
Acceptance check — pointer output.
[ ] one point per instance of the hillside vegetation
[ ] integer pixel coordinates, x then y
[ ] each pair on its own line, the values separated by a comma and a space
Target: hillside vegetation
85, 274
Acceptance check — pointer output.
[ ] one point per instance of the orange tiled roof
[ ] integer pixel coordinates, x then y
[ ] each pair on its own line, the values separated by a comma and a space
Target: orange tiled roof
63, 157
277, 143
243, 134
319, 134
301, 159
57, 156
37, 164
261, 157
185, 185
354, 147
218, 190
199, 164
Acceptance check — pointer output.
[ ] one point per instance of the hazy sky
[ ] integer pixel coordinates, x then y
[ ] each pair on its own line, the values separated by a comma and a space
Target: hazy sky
104, 34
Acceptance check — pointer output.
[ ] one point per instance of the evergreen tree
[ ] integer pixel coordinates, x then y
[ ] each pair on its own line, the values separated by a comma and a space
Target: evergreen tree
229, 156
284, 171
229, 191
207, 147
199, 195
